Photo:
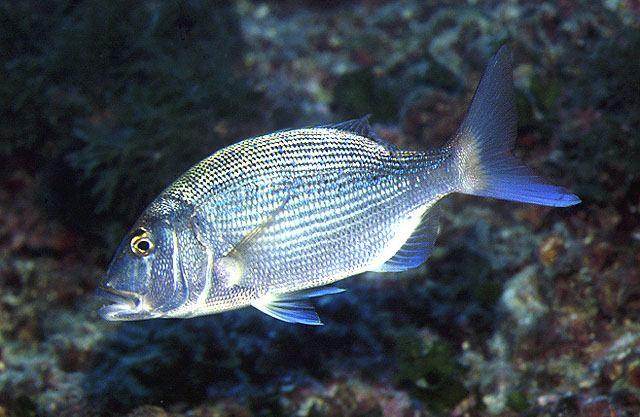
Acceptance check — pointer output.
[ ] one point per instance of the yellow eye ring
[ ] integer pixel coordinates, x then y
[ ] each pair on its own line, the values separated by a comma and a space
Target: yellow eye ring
141, 243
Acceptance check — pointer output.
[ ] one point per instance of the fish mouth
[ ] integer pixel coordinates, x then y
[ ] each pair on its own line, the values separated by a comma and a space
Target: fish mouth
124, 305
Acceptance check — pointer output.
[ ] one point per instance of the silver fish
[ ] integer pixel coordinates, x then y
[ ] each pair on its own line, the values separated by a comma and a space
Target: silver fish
274, 220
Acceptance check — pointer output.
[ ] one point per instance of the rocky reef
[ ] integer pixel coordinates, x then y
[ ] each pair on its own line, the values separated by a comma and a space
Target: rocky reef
521, 310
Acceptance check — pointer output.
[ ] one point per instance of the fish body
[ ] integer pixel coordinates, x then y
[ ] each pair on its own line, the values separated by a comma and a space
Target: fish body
275, 220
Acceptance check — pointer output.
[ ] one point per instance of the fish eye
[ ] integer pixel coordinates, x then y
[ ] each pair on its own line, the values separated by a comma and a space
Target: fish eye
141, 243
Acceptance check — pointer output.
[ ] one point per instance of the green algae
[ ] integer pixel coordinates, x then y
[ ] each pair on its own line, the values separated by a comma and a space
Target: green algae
428, 368
517, 401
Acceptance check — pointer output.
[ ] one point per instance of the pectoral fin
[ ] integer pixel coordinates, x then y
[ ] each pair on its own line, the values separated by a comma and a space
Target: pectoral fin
250, 237
229, 269
294, 307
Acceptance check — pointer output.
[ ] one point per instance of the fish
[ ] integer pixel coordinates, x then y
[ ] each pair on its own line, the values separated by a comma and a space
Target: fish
275, 220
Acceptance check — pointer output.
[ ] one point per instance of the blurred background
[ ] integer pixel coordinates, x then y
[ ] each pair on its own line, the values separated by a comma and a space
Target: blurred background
521, 311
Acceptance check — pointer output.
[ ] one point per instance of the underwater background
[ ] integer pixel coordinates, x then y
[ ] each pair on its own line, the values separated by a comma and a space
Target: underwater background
521, 311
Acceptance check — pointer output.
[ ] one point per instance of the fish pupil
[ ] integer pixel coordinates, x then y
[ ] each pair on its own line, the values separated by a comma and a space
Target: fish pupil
144, 245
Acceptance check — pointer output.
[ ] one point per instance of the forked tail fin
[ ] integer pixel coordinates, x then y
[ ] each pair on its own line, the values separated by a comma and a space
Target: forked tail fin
484, 141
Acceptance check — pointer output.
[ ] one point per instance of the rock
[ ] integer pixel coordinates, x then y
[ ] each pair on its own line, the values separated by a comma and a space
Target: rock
599, 406
148, 411
550, 249
521, 298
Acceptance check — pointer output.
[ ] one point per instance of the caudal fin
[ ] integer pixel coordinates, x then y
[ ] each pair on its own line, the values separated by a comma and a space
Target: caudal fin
484, 141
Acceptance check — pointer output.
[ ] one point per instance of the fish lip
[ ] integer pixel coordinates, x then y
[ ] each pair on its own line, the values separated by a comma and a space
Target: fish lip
123, 303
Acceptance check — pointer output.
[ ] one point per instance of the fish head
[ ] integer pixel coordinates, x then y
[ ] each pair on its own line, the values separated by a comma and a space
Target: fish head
144, 279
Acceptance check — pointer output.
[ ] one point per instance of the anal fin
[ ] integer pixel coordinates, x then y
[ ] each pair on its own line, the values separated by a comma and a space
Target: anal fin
418, 247
294, 307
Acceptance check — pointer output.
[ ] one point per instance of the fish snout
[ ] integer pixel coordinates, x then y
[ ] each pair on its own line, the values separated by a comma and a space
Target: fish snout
123, 305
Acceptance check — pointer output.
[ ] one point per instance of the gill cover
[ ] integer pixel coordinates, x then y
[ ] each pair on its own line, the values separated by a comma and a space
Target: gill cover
149, 286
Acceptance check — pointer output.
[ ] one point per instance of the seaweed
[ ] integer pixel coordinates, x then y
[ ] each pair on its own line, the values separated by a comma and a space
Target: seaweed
126, 95
187, 356
429, 369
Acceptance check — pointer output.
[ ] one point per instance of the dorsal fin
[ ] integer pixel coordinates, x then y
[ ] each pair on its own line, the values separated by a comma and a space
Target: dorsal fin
361, 127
